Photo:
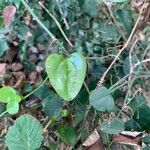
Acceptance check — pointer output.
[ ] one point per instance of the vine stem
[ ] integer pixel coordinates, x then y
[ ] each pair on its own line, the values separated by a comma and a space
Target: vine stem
114, 19
57, 23
61, 12
54, 39
36, 88
3, 113
47, 125
38, 20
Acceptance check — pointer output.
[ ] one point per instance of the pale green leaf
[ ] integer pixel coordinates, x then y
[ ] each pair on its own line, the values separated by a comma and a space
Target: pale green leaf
114, 126
7, 94
117, 1
101, 99
67, 134
25, 134
12, 107
66, 74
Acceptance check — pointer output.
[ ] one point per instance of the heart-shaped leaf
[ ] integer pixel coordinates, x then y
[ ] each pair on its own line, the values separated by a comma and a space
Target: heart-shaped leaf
66, 74
101, 99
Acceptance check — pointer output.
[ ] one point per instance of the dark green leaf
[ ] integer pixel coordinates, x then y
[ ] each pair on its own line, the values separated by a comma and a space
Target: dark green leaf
25, 134
16, 2
67, 134
1, 21
66, 74
101, 99
3, 46
146, 139
113, 127
42, 92
108, 33
52, 106
146, 148
125, 18
90, 7
140, 111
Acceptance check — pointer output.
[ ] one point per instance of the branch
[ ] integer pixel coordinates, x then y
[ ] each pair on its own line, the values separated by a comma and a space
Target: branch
102, 79
57, 23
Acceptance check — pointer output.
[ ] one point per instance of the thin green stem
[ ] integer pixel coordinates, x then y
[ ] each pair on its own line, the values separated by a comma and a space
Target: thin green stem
86, 87
57, 23
38, 20
61, 12
119, 82
54, 39
36, 88
3, 113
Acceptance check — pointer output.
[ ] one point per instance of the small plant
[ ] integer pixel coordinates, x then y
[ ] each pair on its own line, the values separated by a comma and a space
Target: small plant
9, 96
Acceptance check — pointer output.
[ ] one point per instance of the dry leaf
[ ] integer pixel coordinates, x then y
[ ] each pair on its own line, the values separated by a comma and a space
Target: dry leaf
93, 142
16, 66
20, 78
128, 137
96, 146
131, 134
93, 138
2, 69
8, 14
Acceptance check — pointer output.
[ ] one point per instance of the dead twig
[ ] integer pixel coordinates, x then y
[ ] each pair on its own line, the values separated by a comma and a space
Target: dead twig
102, 79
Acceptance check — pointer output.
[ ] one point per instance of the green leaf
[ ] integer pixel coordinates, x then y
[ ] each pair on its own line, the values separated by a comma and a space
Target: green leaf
91, 7
67, 134
12, 107
52, 105
113, 127
146, 139
16, 2
7, 94
66, 74
146, 148
25, 134
125, 18
108, 33
1, 21
3, 46
117, 1
101, 99
141, 112
43, 92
